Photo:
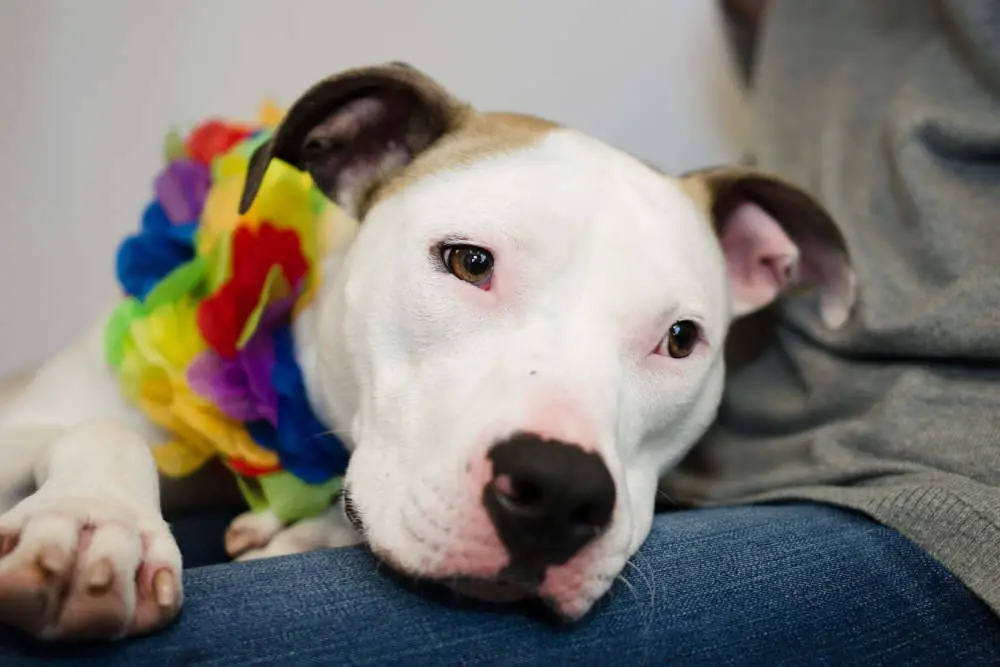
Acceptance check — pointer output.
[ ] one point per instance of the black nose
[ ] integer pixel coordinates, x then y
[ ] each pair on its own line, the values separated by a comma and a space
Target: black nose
547, 499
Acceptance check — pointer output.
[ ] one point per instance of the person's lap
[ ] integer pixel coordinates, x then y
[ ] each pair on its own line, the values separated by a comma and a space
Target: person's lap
790, 584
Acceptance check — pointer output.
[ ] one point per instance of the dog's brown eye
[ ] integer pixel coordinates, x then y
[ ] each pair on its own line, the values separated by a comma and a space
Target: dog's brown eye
681, 339
469, 263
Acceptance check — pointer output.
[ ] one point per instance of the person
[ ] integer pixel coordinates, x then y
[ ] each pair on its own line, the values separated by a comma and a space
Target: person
849, 496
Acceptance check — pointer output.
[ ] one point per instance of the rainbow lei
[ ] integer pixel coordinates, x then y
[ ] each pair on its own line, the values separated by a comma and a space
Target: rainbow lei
202, 341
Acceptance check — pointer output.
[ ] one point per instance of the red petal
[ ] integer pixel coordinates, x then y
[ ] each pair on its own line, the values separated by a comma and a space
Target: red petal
250, 470
286, 250
214, 138
222, 316
218, 322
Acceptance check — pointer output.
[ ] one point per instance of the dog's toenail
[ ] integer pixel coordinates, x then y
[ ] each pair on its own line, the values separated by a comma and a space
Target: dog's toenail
52, 560
165, 589
238, 541
99, 577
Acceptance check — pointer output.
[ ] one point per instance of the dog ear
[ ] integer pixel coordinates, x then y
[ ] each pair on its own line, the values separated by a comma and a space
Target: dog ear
355, 130
775, 238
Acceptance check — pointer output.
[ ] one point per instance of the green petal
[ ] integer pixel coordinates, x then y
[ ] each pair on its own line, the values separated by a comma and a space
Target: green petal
291, 499
270, 283
173, 147
181, 281
252, 493
251, 144
318, 201
116, 331
218, 261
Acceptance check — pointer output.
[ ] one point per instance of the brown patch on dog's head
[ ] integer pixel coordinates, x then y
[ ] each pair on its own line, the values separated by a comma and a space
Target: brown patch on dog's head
359, 132
482, 135
700, 191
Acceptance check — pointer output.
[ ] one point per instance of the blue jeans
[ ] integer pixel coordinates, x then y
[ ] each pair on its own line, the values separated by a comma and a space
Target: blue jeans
771, 585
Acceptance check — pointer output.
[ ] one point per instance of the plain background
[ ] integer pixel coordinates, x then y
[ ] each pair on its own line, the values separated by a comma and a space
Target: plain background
88, 89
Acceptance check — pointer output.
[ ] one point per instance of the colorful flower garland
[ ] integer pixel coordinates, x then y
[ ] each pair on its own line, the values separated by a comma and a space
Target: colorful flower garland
202, 342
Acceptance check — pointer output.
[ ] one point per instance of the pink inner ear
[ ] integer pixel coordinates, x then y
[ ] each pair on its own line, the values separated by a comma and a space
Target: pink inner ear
760, 258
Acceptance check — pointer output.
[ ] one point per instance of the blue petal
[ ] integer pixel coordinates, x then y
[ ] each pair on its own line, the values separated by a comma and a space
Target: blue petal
156, 223
305, 446
263, 434
182, 233
145, 259
154, 218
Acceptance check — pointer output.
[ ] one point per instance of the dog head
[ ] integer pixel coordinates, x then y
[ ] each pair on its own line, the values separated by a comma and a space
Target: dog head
527, 328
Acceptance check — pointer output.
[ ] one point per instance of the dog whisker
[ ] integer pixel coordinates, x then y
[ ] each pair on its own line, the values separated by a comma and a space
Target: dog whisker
628, 585
660, 493
649, 580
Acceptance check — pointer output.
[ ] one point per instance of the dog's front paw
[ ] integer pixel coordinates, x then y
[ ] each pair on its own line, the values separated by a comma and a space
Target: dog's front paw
326, 531
75, 567
251, 531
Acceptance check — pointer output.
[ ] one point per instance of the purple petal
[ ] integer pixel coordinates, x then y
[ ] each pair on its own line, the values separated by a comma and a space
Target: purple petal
276, 314
224, 383
257, 359
181, 189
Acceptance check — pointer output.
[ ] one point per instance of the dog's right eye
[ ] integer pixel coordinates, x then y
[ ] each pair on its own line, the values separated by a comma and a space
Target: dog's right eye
681, 340
469, 263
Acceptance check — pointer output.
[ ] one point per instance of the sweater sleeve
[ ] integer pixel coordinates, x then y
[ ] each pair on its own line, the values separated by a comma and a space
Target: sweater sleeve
741, 31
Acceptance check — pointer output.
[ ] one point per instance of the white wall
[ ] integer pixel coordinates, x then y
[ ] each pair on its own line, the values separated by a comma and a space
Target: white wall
88, 88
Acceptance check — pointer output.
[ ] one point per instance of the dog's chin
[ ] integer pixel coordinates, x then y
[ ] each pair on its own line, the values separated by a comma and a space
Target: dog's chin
502, 594
499, 593
512, 592
496, 592
516, 587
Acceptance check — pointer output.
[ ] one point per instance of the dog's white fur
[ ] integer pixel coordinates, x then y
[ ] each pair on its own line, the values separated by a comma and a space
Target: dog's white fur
596, 256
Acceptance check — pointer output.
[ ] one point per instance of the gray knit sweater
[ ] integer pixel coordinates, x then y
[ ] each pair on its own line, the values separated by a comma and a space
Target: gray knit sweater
889, 112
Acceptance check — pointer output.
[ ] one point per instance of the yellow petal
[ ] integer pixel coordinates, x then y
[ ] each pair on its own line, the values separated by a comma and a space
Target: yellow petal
233, 164
179, 459
284, 199
221, 214
270, 114
227, 437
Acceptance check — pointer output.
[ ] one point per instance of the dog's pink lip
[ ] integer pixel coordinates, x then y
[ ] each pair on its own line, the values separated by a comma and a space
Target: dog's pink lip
490, 591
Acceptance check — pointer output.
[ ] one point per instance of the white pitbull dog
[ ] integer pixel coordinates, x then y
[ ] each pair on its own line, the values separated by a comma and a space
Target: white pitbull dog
524, 332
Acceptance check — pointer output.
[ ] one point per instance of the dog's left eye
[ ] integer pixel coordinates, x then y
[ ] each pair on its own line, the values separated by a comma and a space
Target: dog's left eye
469, 263
681, 339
